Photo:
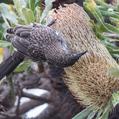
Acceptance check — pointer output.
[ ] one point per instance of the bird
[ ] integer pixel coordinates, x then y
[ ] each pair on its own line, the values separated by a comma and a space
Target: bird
88, 79
39, 43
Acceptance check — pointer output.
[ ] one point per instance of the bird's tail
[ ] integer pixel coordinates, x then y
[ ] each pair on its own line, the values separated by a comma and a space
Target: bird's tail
8, 65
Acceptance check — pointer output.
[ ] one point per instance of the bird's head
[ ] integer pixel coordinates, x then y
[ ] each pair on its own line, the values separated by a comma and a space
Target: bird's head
42, 43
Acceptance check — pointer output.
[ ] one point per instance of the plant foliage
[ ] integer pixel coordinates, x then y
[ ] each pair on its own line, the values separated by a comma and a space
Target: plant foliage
105, 20
21, 12
106, 23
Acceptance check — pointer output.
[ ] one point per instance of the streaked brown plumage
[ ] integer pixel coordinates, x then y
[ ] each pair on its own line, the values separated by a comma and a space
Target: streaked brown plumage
87, 79
39, 43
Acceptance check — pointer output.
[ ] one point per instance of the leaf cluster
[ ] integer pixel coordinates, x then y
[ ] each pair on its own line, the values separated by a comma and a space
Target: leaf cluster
105, 20
21, 12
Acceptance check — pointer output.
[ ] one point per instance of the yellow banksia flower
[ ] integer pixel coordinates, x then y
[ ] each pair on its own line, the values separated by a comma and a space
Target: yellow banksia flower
1, 54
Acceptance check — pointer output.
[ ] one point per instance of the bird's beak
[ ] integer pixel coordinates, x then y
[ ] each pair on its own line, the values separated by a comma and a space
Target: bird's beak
68, 59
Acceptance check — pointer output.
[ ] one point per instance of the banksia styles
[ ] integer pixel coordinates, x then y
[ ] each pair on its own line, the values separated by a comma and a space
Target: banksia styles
88, 79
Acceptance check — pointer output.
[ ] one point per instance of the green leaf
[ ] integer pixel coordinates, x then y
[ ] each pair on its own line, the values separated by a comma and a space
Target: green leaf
38, 14
37, 3
115, 98
106, 111
95, 12
112, 28
1, 32
102, 8
99, 114
103, 4
19, 4
91, 115
4, 44
115, 21
8, 14
46, 10
114, 71
83, 114
23, 66
28, 16
110, 14
32, 5
111, 47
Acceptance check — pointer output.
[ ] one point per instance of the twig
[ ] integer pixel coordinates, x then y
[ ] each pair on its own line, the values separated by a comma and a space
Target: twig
52, 22
6, 114
19, 98
44, 99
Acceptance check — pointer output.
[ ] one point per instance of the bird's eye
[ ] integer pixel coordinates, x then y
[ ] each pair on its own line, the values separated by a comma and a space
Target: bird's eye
60, 40
57, 33
34, 25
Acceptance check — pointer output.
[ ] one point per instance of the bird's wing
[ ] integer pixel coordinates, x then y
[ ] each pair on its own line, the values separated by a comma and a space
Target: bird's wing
22, 40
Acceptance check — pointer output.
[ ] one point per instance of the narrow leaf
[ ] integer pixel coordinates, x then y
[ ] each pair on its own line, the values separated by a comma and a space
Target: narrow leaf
83, 114
32, 5
114, 71
46, 10
91, 115
28, 16
7, 14
115, 98
38, 14
4, 44
23, 66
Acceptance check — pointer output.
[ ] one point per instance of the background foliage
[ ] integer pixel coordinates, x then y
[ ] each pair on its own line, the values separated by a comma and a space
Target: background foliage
21, 12
105, 20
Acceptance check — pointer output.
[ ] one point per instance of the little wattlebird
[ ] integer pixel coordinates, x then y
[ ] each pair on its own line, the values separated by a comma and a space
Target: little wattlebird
39, 43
